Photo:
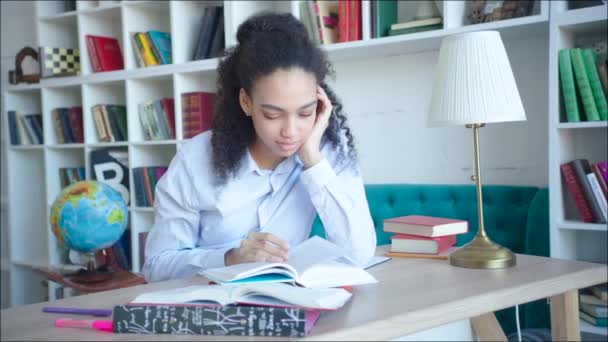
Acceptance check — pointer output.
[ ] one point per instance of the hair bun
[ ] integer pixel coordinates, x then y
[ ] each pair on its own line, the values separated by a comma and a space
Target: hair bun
268, 22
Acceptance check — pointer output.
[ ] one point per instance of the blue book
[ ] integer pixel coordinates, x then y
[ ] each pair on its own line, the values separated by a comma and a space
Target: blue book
64, 116
161, 43
12, 124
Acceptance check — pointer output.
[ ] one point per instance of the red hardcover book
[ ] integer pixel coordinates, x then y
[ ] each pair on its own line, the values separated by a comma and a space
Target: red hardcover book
169, 113
197, 112
581, 170
354, 20
576, 191
104, 53
75, 114
406, 243
343, 20
425, 225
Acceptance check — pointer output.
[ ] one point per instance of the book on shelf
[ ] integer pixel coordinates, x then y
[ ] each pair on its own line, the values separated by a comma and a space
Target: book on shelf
428, 226
104, 53
160, 43
415, 29
157, 119
417, 23
58, 61
196, 319
327, 20
210, 34
315, 263
598, 195
567, 86
266, 294
349, 20
589, 60
598, 311
583, 85
25, 129
111, 166
71, 175
600, 291
596, 321
384, 14
197, 112
574, 174
407, 243
591, 299
307, 16
145, 179
600, 169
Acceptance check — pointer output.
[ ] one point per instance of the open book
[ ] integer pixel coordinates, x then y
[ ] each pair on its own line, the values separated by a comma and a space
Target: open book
315, 263
268, 294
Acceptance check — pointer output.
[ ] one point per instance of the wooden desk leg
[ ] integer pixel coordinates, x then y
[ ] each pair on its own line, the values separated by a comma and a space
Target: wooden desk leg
564, 317
487, 328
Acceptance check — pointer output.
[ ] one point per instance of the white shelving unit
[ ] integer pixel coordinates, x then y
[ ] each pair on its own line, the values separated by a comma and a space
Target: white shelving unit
570, 237
33, 173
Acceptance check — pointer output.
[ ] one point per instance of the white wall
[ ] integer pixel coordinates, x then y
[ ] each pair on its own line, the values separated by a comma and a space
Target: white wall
18, 31
387, 101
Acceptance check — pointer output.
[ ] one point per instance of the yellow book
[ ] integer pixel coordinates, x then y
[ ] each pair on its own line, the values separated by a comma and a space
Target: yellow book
146, 50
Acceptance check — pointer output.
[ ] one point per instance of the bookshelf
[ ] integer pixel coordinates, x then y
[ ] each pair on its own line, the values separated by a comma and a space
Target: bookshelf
36, 167
570, 237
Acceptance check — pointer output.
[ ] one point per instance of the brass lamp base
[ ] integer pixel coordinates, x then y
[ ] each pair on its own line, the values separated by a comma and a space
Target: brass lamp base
481, 252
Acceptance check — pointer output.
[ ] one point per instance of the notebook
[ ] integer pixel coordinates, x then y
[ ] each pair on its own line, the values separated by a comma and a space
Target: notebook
315, 263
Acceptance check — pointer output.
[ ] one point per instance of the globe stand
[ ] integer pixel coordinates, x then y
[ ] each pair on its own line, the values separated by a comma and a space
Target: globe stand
92, 274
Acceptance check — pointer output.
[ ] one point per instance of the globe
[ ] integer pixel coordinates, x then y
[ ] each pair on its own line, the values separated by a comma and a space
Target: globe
88, 216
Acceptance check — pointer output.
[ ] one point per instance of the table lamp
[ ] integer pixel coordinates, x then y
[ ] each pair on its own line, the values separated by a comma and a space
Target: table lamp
474, 86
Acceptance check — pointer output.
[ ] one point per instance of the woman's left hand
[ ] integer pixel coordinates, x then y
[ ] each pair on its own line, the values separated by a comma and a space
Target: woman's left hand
310, 152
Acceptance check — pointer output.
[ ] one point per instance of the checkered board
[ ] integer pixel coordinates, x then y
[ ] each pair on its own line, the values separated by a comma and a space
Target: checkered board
58, 62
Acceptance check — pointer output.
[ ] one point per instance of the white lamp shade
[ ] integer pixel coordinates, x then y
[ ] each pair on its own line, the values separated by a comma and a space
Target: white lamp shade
474, 82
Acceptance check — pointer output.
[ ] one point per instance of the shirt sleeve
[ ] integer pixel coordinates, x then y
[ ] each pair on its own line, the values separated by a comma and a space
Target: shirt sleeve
171, 250
340, 201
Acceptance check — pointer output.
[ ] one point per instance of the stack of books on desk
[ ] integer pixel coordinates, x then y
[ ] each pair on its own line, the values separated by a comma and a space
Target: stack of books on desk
418, 235
593, 305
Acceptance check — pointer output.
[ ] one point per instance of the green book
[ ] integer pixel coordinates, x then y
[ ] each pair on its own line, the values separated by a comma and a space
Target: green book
584, 88
152, 179
120, 115
386, 15
589, 59
566, 76
415, 29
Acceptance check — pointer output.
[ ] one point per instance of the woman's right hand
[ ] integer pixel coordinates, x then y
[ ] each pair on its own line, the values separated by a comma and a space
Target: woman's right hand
258, 247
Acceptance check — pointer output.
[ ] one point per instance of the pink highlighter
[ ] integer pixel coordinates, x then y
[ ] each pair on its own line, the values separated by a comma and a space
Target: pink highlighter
102, 325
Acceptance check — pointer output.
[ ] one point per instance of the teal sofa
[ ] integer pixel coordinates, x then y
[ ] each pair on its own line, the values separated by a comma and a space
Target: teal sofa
515, 216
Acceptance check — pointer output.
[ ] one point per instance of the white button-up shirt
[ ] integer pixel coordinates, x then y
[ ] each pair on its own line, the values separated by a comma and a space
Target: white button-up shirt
197, 220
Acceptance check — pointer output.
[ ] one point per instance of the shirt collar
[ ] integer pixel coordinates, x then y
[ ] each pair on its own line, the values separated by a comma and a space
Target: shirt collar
248, 165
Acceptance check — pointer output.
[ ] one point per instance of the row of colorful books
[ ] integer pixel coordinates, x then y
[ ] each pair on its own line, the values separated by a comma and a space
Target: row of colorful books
25, 129
152, 47
587, 185
68, 124
110, 122
329, 22
157, 119
593, 305
71, 175
210, 41
584, 84
145, 179
423, 236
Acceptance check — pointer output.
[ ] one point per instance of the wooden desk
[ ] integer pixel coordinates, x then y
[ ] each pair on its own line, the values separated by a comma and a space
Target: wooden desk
412, 295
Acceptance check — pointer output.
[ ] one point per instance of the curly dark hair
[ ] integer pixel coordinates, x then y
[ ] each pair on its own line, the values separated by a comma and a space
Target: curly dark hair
266, 42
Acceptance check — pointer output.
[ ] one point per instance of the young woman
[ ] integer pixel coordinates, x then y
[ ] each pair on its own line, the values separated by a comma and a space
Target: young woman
279, 152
